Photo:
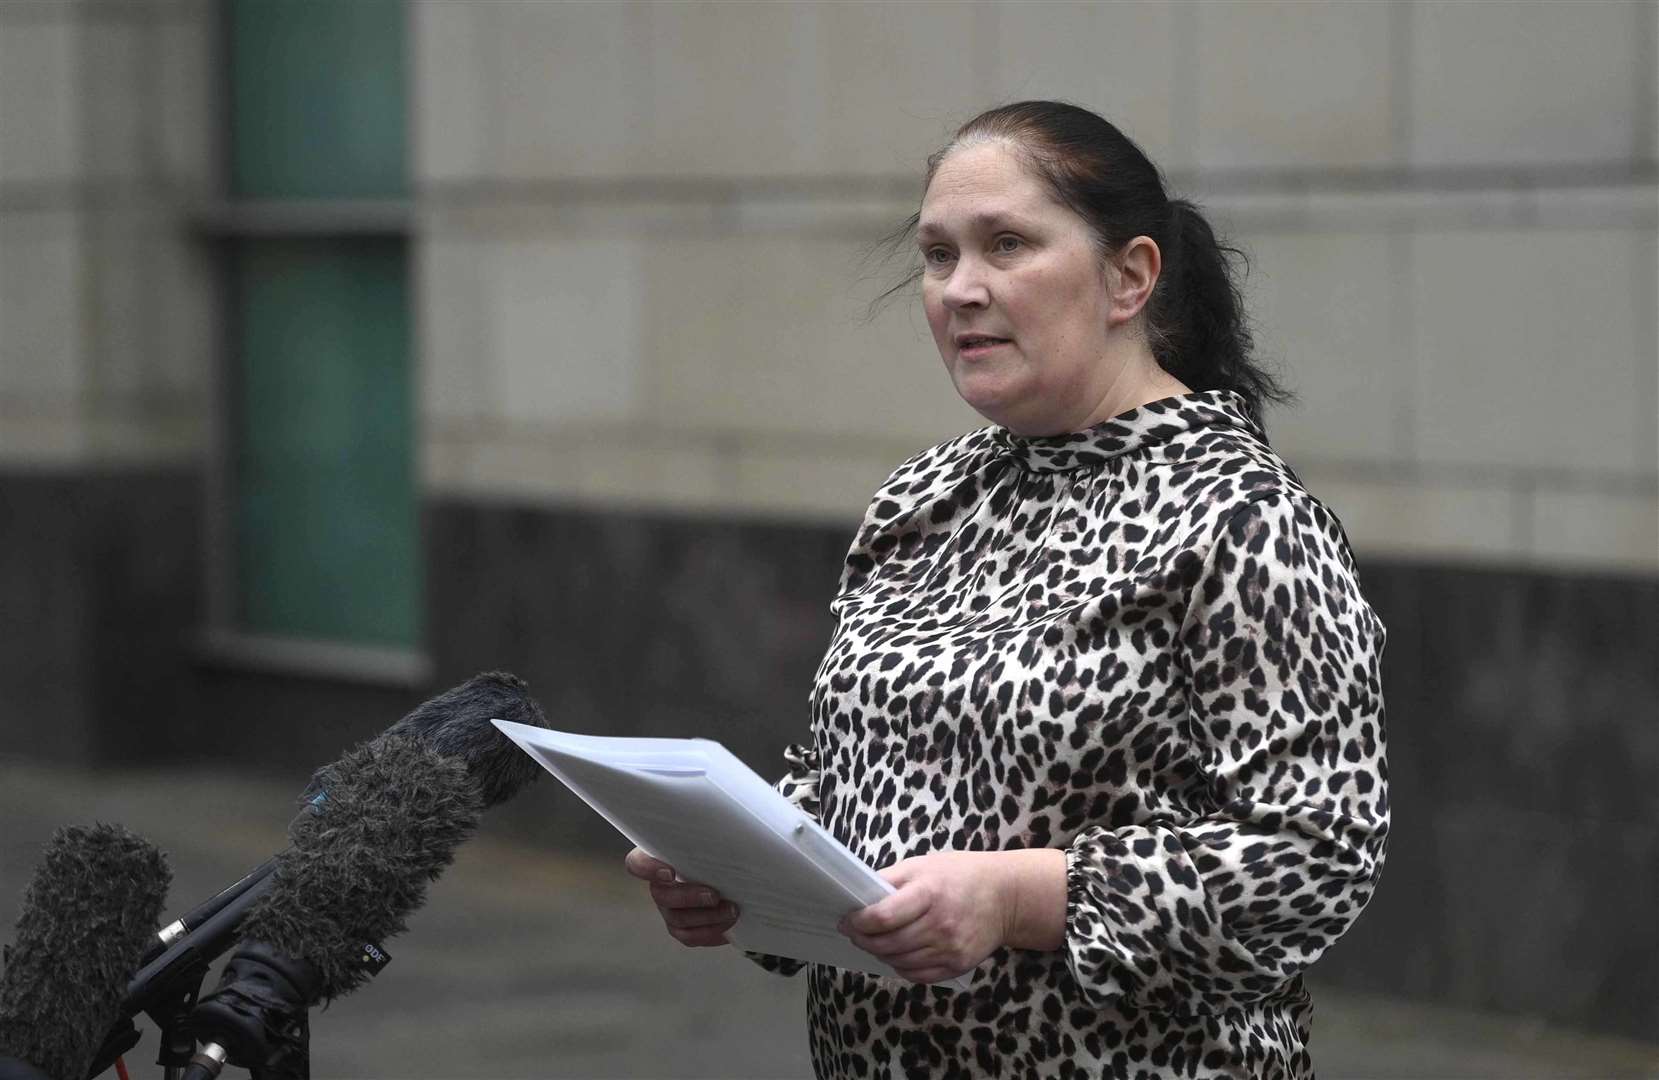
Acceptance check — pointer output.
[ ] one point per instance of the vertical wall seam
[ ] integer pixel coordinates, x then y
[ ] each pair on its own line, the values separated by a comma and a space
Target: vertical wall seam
88, 267
638, 34
1647, 81
1184, 76
1523, 507
1404, 255
151, 182
1399, 65
1400, 253
1645, 281
218, 555
987, 19
485, 258
492, 140
151, 171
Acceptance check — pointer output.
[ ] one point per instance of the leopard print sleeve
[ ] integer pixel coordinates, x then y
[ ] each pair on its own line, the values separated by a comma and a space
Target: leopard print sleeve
800, 784
1284, 710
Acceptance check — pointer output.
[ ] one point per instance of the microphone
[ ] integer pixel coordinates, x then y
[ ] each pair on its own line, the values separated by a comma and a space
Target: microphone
397, 810
386, 821
87, 915
456, 724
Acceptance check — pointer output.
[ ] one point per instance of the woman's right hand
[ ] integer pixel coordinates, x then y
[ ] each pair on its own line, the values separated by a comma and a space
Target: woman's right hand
694, 914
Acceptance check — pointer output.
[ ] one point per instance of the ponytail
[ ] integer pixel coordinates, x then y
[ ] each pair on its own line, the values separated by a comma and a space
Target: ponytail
1195, 322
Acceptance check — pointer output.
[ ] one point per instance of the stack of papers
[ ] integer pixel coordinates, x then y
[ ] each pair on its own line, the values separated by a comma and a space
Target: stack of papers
694, 805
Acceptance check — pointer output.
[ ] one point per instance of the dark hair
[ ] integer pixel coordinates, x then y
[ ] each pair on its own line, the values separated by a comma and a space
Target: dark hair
1195, 321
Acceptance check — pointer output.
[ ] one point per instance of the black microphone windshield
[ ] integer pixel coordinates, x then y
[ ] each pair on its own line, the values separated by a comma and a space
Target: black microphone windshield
87, 916
397, 810
383, 822
457, 724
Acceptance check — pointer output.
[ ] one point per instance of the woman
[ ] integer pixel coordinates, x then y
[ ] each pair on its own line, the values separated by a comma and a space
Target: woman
1103, 698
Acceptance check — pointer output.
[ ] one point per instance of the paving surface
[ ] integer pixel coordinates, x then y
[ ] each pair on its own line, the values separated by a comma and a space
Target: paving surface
525, 963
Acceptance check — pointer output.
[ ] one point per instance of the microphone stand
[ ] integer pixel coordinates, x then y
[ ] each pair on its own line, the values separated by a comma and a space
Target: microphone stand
169, 981
170, 976
259, 1016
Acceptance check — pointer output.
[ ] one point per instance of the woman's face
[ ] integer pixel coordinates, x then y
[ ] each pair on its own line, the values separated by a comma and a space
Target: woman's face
1016, 292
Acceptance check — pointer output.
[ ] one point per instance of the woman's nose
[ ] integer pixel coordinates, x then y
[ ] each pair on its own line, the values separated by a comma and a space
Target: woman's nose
966, 287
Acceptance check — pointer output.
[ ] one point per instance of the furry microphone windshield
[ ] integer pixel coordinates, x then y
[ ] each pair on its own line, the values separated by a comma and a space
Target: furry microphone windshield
384, 822
457, 724
397, 810
88, 915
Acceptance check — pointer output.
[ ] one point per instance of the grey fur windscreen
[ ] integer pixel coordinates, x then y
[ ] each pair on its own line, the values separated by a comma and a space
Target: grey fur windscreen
457, 724
88, 914
397, 809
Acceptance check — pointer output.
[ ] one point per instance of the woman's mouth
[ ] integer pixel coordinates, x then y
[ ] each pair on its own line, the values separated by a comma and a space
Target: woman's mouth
973, 346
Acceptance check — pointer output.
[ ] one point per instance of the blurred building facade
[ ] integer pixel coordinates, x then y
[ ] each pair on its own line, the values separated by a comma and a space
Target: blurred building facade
347, 349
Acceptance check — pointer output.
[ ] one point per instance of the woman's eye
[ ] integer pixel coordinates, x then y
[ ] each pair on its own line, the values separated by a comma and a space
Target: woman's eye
936, 256
1007, 243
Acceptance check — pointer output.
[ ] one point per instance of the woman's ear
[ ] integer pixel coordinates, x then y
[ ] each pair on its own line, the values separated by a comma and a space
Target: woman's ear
1130, 279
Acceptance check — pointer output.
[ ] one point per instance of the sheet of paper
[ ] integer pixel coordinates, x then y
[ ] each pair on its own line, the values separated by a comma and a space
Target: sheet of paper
694, 805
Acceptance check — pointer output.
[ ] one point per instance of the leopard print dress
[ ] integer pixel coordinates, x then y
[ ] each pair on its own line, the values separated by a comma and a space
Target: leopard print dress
1144, 644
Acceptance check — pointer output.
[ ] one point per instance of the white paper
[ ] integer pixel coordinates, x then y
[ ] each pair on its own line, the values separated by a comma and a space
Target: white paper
694, 805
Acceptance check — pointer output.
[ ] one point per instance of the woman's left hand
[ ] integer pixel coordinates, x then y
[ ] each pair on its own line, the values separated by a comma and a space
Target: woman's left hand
949, 913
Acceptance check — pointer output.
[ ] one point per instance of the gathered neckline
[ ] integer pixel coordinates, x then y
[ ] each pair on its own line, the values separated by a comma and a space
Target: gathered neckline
1142, 427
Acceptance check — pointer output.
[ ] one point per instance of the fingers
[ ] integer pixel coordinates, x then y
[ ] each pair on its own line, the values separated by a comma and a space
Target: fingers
666, 892
906, 939
723, 916
901, 909
684, 894
646, 867
694, 914
700, 926
929, 964
904, 871
700, 937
